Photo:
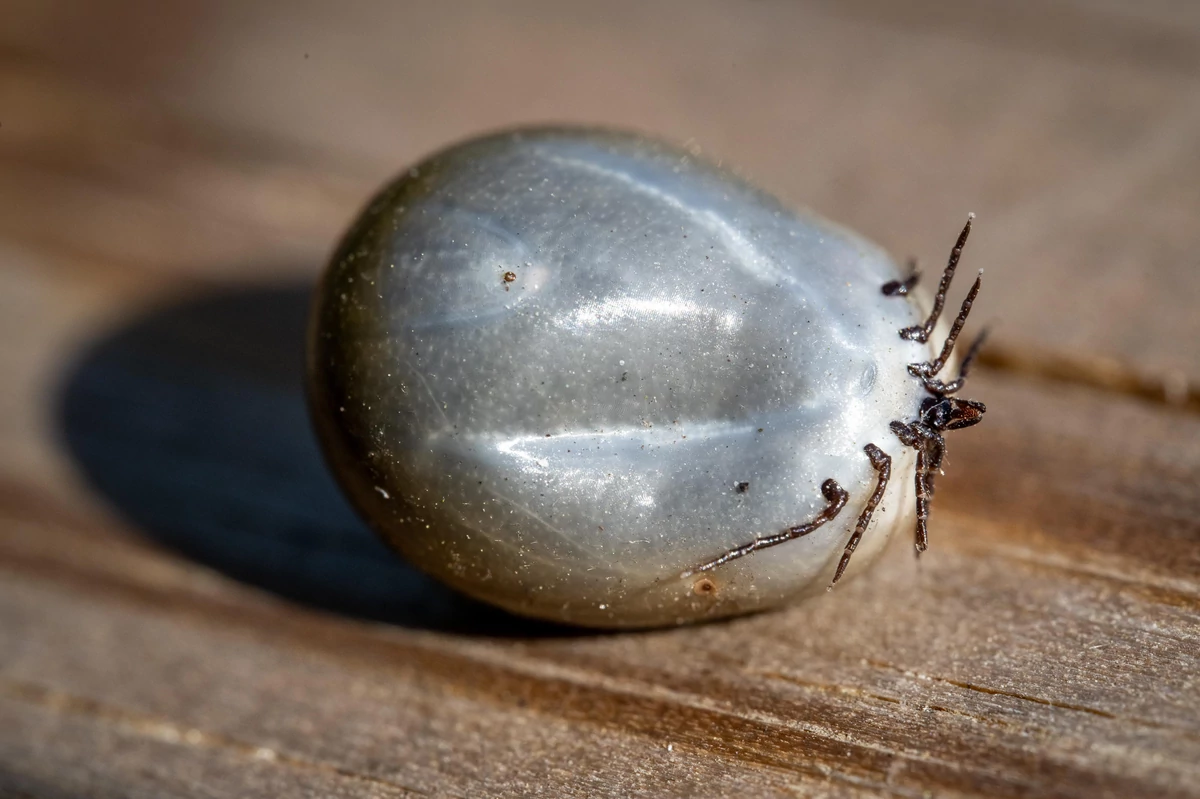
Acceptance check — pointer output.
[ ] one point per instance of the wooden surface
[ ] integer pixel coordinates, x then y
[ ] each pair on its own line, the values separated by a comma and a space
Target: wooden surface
187, 606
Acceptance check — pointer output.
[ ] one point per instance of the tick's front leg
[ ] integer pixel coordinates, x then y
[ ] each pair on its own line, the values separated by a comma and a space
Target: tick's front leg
913, 435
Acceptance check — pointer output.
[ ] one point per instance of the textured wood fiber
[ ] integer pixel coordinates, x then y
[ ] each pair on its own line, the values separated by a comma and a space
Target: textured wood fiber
187, 607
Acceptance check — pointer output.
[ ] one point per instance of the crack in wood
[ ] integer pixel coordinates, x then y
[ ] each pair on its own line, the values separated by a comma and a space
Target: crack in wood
859, 692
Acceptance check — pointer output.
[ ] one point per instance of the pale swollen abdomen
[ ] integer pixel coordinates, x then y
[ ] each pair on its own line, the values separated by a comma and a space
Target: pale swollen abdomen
559, 368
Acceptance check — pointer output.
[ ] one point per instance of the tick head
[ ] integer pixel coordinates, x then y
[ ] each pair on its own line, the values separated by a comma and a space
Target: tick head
951, 413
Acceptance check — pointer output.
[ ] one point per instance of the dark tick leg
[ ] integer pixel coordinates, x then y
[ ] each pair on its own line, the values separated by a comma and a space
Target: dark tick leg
935, 386
883, 465
935, 445
925, 371
921, 332
922, 501
900, 288
836, 496
930, 447
905, 433
935, 450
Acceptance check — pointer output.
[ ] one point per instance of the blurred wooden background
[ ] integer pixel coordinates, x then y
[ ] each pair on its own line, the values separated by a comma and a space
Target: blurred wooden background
188, 608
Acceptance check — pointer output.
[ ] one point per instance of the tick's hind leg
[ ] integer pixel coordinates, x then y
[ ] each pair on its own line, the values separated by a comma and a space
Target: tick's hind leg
883, 465
836, 496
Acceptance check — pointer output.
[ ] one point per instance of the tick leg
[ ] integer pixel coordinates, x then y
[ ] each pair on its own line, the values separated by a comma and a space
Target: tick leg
935, 445
907, 435
925, 371
883, 465
935, 386
836, 496
900, 288
923, 494
921, 332
930, 447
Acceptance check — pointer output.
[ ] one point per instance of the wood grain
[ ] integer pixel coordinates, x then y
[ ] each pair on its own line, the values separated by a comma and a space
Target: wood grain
188, 607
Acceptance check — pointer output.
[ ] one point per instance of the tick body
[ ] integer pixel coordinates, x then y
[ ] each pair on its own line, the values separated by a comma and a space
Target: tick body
587, 377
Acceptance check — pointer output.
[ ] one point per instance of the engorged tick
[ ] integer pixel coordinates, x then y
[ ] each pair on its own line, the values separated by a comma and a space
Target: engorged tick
689, 373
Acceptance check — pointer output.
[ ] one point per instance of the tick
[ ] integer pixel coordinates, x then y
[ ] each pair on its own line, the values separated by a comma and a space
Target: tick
562, 442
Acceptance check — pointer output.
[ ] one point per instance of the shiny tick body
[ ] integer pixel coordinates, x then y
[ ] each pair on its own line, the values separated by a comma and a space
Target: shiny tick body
590, 377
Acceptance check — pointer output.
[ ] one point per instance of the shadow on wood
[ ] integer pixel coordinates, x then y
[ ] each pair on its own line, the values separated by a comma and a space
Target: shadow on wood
192, 421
